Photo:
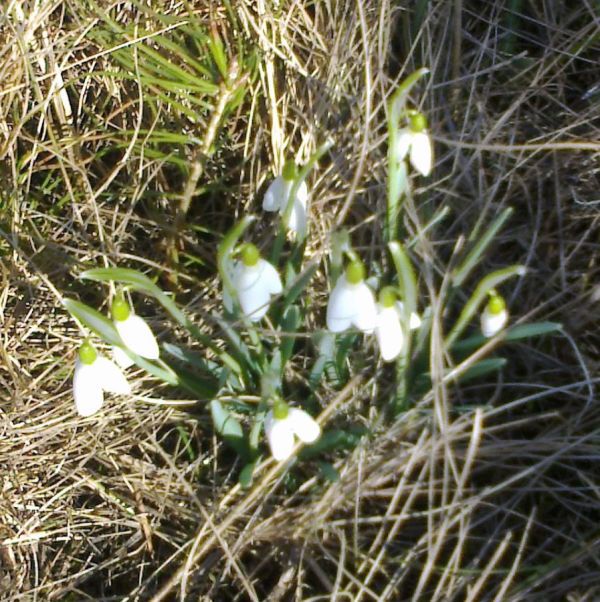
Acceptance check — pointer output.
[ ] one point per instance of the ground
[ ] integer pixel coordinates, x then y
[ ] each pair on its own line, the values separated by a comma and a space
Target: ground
136, 135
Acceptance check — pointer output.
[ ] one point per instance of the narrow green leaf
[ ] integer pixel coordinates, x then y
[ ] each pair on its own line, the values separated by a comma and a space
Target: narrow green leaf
344, 344
193, 359
464, 269
419, 14
535, 329
125, 275
228, 427
398, 186
298, 286
94, 320
334, 440
440, 215
257, 427
204, 387
290, 323
187, 443
246, 475
239, 349
217, 50
407, 282
329, 472
482, 368
177, 47
516, 333
406, 278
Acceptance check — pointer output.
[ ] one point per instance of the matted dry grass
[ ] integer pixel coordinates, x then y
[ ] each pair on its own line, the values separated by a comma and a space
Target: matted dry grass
483, 491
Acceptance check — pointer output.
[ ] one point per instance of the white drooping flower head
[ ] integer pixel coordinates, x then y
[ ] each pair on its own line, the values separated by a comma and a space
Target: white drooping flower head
389, 329
277, 196
133, 330
94, 375
254, 281
351, 302
283, 423
415, 139
495, 315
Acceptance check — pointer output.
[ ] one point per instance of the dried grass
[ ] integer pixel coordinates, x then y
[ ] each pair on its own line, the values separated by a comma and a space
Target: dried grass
484, 491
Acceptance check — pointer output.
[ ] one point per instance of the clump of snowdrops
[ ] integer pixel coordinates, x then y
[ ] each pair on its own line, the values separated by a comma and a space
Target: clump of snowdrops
242, 384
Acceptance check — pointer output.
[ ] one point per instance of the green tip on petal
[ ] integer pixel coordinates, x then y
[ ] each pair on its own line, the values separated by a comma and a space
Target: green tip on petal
418, 122
496, 304
250, 255
280, 410
120, 309
290, 171
387, 296
355, 272
87, 353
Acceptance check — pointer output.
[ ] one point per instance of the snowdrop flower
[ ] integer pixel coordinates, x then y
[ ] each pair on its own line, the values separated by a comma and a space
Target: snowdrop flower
351, 302
282, 423
494, 316
277, 195
415, 139
94, 374
133, 330
121, 358
254, 281
388, 328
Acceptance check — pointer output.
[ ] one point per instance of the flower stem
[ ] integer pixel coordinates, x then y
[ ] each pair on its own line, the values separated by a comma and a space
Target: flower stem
397, 171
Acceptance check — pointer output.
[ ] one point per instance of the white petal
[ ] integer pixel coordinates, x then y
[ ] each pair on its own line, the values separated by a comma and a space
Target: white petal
493, 323
415, 320
298, 221
341, 307
270, 277
254, 286
137, 336
110, 376
388, 331
366, 308
403, 142
421, 153
302, 194
252, 295
276, 195
280, 437
305, 427
121, 358
87, 391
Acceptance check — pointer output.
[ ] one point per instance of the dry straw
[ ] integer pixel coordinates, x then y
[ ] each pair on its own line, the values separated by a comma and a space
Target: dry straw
484, 489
